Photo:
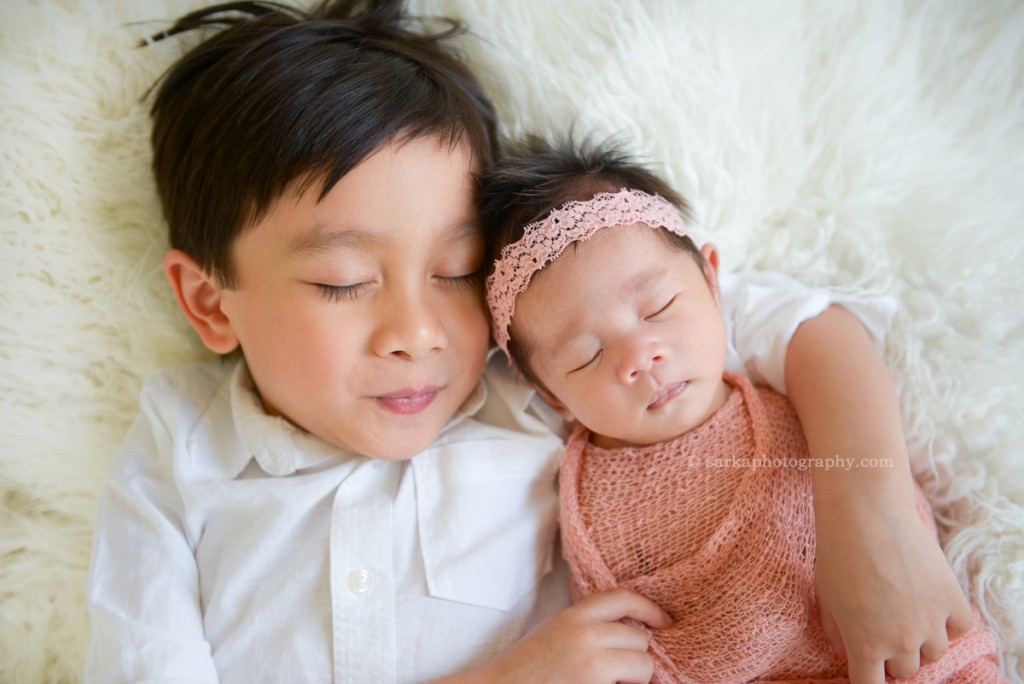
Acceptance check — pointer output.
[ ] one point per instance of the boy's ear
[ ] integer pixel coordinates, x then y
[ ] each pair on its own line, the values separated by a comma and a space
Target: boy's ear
199, 297
710, 254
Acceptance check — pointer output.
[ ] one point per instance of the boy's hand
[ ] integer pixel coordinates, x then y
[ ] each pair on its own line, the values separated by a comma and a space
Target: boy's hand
583, 644
887, 596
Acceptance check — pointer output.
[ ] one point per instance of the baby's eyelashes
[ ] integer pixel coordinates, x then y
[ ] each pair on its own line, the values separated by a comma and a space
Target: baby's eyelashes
592, 360
663, 309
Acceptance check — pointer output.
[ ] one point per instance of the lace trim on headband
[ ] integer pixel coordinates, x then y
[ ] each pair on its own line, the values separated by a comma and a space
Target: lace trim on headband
544, 241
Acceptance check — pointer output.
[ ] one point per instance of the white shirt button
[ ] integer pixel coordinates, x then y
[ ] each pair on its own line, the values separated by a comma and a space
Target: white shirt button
359, 581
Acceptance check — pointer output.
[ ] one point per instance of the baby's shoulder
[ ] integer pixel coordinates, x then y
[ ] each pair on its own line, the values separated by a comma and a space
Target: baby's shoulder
762, 402
776, 421
773, 399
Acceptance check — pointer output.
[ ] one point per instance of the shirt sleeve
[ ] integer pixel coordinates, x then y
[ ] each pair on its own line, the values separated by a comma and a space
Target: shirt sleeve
143, 593
762, 311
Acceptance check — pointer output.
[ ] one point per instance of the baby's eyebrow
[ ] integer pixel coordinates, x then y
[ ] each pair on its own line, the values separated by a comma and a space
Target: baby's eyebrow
567, 347
642, 282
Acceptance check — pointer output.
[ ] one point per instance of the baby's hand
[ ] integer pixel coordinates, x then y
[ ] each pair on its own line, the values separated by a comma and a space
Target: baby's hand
583, 644
887, 596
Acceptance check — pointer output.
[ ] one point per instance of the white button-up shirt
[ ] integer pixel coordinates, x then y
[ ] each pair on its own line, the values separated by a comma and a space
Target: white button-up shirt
232, 546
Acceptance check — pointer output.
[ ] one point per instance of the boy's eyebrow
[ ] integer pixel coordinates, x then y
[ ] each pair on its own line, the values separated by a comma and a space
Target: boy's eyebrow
463, 230
324, 238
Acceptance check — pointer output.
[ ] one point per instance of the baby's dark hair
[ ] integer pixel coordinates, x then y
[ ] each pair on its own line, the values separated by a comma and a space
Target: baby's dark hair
279, 95
534, 177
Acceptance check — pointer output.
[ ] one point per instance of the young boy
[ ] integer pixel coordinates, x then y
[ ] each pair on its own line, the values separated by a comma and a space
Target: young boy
346, 500
265, 519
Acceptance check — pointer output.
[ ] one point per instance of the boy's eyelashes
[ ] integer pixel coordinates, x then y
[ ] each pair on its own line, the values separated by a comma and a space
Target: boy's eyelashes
339, 293
466, 280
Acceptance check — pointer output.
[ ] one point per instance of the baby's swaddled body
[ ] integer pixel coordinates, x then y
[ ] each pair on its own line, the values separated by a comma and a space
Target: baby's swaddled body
717, 527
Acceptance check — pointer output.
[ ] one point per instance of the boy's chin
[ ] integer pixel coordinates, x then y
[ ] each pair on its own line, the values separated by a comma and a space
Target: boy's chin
400, 447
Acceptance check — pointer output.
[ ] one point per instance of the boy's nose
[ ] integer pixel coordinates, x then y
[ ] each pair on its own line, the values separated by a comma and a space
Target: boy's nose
409, 327
638, 357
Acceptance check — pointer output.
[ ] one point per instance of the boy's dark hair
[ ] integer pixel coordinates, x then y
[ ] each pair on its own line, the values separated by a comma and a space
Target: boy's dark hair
535, 176
280, 95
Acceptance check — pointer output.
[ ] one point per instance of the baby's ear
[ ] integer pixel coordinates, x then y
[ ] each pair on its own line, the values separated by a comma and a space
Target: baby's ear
554, 403
199, 297
710, 254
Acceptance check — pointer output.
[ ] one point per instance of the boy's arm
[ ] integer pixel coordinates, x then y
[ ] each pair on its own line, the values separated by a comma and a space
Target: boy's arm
885, 591
143, 587
583, 644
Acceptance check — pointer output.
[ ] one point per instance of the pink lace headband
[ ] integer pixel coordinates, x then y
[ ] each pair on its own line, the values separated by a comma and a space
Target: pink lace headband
544, 241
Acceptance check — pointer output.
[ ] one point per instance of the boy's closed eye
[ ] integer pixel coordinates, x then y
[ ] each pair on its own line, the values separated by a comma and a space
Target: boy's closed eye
338, 293
466, 280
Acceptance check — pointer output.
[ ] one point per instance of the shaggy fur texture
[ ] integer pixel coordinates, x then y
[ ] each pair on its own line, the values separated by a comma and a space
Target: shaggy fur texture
874, 144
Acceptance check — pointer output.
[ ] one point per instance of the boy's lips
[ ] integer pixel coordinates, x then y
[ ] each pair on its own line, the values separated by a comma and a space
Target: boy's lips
666, 395
408, 401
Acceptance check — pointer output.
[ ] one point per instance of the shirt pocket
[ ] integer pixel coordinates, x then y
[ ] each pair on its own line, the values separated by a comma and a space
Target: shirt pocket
488, 513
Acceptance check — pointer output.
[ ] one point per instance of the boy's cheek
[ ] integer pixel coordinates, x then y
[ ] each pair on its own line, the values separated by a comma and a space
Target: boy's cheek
476, 322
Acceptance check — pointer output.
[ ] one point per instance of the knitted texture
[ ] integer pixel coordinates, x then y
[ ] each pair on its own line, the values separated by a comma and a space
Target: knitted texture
717, 527
544, 241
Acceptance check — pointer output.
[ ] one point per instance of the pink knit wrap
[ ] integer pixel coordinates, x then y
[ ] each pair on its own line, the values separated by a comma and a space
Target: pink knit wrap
544, 241
727, 549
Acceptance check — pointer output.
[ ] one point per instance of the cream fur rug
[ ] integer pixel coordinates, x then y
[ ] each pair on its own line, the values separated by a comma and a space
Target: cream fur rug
864, 143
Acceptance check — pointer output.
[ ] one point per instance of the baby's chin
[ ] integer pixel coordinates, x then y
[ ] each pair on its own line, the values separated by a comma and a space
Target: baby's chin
657, 430
633, 441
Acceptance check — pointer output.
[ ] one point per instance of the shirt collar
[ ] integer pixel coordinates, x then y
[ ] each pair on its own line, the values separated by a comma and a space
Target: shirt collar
471, 406
508, 381
279, 447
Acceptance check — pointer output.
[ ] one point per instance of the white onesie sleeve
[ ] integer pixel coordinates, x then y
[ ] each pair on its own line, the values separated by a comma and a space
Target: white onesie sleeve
762, 311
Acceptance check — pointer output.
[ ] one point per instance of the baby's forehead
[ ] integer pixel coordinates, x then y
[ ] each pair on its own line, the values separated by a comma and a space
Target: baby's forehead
622, 262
